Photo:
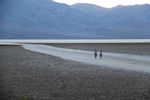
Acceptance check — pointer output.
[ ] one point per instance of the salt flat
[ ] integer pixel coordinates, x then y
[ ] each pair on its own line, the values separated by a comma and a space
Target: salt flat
28, 75
112, 60
74, 41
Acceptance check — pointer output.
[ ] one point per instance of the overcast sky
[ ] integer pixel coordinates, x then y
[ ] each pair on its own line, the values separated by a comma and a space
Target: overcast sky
106, 3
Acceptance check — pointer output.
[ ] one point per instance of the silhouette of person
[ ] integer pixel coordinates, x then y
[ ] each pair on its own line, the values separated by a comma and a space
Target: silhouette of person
101, 55
95, 53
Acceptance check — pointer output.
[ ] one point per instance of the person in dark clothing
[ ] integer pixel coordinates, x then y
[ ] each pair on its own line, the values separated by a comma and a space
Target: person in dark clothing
101, 55
95, 53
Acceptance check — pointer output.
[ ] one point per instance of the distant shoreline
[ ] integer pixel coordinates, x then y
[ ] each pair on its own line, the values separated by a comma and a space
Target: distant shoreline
74, 41
129, 47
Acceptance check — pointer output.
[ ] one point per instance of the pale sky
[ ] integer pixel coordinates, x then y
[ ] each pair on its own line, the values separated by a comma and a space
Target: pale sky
106, 3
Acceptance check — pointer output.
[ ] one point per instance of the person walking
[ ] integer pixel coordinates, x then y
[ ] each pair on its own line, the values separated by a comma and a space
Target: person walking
95, 53
101, 55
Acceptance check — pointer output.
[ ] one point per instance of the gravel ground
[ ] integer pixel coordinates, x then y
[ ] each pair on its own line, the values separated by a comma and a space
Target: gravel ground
26, 75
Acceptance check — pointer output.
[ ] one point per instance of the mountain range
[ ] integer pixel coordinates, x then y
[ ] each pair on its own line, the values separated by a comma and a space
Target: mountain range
46, 19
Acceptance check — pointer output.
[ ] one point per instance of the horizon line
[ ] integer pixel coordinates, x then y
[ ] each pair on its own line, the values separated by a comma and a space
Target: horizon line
101, 5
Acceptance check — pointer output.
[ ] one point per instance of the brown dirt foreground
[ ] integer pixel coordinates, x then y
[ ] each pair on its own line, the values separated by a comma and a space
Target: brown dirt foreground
26, 75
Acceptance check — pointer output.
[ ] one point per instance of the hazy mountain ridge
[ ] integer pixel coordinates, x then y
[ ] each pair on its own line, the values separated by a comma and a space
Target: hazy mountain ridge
90, 9
120, 20
48, 19
137, 13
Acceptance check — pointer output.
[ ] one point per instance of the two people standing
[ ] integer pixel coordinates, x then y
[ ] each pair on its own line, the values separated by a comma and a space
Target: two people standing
100, 54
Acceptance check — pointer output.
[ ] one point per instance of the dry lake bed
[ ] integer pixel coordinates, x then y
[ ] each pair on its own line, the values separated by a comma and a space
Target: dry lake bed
27, 75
